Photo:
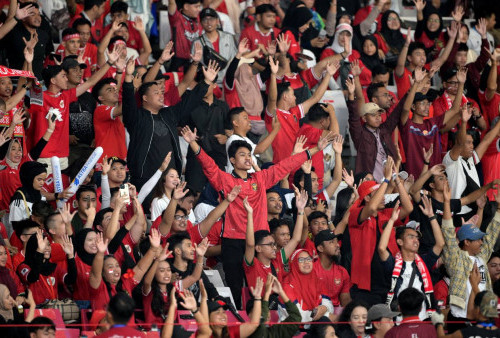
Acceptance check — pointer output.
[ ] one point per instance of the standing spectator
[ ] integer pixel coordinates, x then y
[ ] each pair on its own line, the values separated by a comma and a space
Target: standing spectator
476, 35
119, 13
390, 39
84, 27
429, 28
152, 127
410, 304
93, 11
333, 278
186, 28
263, 31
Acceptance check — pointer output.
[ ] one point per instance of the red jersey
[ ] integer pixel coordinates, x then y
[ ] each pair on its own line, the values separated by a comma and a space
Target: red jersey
109, 132
333, 282
366, 74
17, 259
254, 187
10, 181
417, 136
192, 229
128, 244
285, 140
46, 286
97, 25
258, 269
186, 30
282, 263
363, 242
313, 135
82, 286
134, 37
297, 80
100, 296
256, 37
122, 332
437, 44
6, 120
89, 58
59, 142
309, 247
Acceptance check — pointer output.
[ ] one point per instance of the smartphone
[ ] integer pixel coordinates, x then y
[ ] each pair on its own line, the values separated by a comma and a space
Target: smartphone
55, 57
124, 192
53, 117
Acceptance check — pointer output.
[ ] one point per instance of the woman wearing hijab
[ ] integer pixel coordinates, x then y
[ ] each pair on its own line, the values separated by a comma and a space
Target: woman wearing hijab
296, 23
42, 276
302, 288
9, 177
8, 277
390, 39
86, 249
429, 30
370, 53
342, 44
10, 315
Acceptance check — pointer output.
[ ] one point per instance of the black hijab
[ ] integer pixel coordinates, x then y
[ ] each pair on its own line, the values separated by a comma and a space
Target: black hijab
432, 35
30, 259
27, 173
295, 18
370, 61
80, 238
393, 38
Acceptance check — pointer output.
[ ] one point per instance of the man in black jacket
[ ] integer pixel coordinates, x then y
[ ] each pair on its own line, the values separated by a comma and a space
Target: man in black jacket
153, 127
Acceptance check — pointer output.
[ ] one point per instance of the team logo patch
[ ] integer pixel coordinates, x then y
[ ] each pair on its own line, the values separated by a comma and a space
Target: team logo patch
337, 281
24, 271
254, 186
61, 103
127, 247
51, 281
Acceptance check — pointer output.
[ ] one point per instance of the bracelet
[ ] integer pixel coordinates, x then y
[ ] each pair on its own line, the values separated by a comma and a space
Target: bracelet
385, 180
308, 153
195, 311
109, 63
25, 86
56, 195
426, 162
300, 213
433, 217
118, 72
257, 299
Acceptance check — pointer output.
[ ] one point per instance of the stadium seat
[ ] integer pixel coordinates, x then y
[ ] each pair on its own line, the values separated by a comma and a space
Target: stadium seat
53, 314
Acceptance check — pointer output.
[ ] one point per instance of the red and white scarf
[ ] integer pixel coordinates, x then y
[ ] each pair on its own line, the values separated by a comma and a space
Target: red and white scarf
449, 102
424, 274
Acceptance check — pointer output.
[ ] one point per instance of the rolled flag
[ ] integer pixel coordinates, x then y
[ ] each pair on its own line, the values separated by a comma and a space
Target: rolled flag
84, 172
56, 173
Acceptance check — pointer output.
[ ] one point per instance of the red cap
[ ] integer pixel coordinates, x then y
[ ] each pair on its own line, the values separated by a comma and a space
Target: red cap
366, 188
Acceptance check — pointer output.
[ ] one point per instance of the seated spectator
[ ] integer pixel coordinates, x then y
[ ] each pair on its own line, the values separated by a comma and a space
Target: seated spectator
390, 39
380, 320
494, 266
353, 319
371, 55
325, 330
9, 277
162, 192
410, 304
118, 313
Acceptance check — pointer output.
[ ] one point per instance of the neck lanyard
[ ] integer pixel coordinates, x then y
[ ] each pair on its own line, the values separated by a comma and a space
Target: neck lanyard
486, 324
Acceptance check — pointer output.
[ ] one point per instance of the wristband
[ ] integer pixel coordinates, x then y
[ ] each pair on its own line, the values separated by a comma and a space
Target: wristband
433, 217
56, 195
25, 86
308, 153
426, 162
195, 311
257, 299
109, 63
300, 213
118, 72
385, 180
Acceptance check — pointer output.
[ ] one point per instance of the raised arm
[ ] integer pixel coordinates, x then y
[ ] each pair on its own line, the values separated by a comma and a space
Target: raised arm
246, 329
386, 234
438, 169
146, 51
436, 229
452, 116
150, 184
400, 66
249, 238
452, 33
273, 87
415, 87
95, 277
165, 56
172, 7
487, 139
300, 203
491, 85
101, 49
168, 215
217, 213
406, 203
462, 132
200, 249
145, 262
150, 275
82, 88
331, 69
337, 171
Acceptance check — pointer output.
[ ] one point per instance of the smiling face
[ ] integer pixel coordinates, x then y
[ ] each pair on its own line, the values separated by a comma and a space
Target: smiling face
111, 270
171, 179
218, 318
163, 273
5, 87
393, 22
180, 222
242, 122
305, 262
433, 22
209, 24
16, 152
90, 245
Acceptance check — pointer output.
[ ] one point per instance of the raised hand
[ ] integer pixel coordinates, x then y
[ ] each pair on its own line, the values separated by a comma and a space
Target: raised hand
105, 165
198, 52
243, 47
155, 238
389, 164
300, 198
475, 276
395, 212
67, 246
427, 208
66, 213
130, 66
283, 43
166, 162
481, 201
202, 248
274, 65
211, 71
408, 36
42, 243
22, 13
420, 74
120, 64
428, 153
138, 24
453, 30
188, 300
458, 13
257, 290
18, 116
325, 141
179, 191
351, 87
337, 144
173, 298
434, 69
438, 169
29, 54
247, 206
446, 192
167, 53
115, 54
299, 144
102, 245
466, 113
188, 135
115, 26
3, 137
462, 75
481, 27
307, 166
348, 177
234, 193
332, 67
271, 47
355, 68
164, 253
419, 5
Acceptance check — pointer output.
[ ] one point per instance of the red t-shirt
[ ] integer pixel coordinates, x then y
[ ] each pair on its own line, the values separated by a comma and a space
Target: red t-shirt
192, 229
100, 296
417, 136
10, 181
363, 242
58, 144
309, 247
134, 37
285, 140
282, 263
122, 332
109, 132
258, 269
89, 58
129, 245
97, 26
313, 135
186, 30
17, 259
46, 286
82, 286
333, 282
255, 36
149, 316
6, 120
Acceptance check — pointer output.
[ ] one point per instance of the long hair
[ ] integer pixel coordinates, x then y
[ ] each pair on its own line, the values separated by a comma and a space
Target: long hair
158, 305
159, 190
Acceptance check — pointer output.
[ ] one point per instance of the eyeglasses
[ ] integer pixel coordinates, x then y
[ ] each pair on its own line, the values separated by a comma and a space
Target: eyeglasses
272, 244
433, 20
181, 218
305, 260
392, 19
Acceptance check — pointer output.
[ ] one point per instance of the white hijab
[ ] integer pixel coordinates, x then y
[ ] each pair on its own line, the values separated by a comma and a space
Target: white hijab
337, 48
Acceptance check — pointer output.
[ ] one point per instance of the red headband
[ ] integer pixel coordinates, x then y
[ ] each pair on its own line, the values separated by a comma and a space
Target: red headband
71, 37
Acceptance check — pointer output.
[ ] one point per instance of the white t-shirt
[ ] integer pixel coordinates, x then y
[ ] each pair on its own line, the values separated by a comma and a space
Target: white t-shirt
158, 206
457, 177
462, 313
229, 167
417, 284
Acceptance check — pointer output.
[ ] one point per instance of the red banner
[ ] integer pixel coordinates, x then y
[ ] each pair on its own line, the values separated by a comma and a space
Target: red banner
4, 71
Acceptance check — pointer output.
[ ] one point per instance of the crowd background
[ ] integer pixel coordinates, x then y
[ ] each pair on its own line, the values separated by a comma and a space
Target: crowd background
258, 168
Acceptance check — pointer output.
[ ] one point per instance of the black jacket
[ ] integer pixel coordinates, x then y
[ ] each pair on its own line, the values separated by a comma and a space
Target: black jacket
140, 125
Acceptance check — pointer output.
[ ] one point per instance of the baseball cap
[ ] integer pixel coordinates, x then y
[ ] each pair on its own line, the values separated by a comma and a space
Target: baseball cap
470, 232
366, 188
371, 108
208, 12
70, 62
420, 97
115, 159
488, 306
380, 311
216, 305
324, 235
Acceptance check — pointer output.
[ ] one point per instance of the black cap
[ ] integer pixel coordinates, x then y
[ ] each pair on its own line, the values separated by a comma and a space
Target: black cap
216, 305
72, 62
448, 74
208, 12
115, 159
159, 76
420, 97
324, 235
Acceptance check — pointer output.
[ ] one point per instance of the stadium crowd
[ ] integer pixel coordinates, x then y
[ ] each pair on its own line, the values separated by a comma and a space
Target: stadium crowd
265, 168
